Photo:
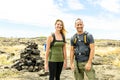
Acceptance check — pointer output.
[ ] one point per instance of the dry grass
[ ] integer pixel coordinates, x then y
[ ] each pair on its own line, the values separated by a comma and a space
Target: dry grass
107, 50
8, 50
3, 60
12, 49
6, 73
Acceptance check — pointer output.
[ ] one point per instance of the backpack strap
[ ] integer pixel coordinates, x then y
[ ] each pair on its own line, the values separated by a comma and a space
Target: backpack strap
85, 38
54, 39
75, 38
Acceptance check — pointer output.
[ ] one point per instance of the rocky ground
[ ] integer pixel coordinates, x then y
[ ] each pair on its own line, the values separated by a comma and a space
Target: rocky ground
103, 72
103, 65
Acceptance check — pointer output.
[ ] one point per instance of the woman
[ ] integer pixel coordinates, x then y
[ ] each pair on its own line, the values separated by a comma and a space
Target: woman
56, 57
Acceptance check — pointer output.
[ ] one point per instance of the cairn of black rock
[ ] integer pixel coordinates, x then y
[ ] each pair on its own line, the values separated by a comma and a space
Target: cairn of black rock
30, 59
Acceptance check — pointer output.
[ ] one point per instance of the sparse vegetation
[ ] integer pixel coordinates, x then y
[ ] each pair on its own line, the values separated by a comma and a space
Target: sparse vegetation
107, 49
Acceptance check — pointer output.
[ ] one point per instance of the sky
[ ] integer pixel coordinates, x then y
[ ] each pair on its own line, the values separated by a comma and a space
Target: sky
35, 18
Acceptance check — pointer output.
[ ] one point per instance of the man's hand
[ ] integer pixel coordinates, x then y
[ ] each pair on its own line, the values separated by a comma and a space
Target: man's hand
72, 67
88, 66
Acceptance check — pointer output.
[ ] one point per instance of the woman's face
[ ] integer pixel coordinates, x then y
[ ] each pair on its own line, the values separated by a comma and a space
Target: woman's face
58, 26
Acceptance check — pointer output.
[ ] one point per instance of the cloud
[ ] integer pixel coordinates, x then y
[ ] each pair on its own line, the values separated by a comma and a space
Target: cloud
103, 27
43, 13
109, 5
75, 5
102, 23
35, 12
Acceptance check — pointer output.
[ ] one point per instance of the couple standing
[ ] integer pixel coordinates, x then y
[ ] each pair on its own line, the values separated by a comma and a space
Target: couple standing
81, 52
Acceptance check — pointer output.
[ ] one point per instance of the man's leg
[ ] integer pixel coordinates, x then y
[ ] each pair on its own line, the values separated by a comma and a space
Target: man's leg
91, 74
79, 71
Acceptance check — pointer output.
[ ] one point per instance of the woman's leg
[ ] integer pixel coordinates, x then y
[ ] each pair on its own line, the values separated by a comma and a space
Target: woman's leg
59, 70
52, 70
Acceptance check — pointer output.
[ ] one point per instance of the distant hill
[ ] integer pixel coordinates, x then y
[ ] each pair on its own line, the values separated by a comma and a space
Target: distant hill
42, 40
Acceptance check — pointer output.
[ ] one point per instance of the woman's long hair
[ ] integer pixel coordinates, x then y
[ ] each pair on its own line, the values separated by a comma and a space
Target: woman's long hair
63, 31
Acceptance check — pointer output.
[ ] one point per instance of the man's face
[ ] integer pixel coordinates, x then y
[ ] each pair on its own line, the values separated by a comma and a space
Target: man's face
79, 26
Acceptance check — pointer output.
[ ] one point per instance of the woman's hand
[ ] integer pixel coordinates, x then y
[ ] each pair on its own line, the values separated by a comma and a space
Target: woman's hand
46, 67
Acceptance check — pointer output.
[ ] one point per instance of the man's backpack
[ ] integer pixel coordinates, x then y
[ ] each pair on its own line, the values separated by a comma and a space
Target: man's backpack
54, 39
84, 38
81, 47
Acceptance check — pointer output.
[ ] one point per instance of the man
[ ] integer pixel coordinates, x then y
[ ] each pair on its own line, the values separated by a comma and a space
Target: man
82, 49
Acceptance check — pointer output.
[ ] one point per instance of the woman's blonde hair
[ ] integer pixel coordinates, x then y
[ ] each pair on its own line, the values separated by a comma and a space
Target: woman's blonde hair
63, 31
